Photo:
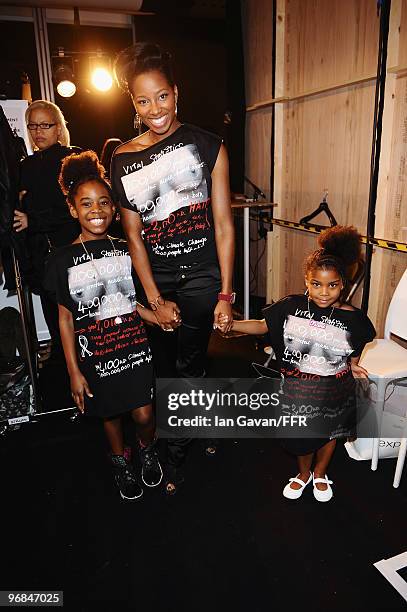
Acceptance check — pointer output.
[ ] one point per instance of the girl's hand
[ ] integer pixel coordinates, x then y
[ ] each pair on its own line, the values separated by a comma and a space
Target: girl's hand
149, 317
223, 323
358, 371
168, 315
79, 386
20, 221
222, 316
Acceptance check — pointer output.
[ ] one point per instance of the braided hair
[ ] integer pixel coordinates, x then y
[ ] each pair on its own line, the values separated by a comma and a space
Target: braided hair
339, 250
78, 169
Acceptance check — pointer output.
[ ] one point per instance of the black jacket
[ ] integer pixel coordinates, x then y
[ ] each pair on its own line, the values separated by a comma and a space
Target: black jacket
45, 203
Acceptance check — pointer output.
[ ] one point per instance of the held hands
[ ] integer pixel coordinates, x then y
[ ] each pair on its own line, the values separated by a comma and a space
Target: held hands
223, 318
168, 315
20, 221
79, 386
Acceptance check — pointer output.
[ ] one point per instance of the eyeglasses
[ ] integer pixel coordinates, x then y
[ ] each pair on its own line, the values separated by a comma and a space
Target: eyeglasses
33, 127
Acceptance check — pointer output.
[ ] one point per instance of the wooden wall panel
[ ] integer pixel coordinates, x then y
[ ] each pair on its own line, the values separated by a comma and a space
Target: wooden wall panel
258, 151
327, 146
257, 21
391, 208
329, 42
257, 168
289, 249
395, 213
323, 138
402, 59
327, 137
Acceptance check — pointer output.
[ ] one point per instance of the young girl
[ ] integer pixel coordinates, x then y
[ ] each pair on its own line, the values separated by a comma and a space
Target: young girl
321, 337
104, 340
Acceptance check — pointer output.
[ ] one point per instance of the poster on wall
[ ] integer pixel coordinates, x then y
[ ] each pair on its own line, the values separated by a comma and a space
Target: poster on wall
15, 113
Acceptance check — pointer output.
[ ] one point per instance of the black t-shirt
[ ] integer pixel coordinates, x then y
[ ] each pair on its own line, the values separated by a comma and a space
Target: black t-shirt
313, 348
45, 204
169, 185
314, 340
110, 338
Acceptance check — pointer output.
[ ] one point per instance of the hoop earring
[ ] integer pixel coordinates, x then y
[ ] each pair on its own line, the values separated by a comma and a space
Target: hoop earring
176, 108
306, 292
137, 122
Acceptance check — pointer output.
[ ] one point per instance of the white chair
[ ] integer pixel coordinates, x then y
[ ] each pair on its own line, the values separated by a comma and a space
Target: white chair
386, 361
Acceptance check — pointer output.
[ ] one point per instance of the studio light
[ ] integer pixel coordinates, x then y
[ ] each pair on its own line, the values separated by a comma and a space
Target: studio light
101, 76
102, 79
64, 79
63, 74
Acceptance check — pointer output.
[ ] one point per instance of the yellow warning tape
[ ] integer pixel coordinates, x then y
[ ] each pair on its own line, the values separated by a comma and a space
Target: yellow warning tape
317, 229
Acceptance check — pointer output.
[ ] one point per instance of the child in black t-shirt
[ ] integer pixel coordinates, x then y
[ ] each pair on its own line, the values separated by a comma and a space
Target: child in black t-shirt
318, 339
104, 340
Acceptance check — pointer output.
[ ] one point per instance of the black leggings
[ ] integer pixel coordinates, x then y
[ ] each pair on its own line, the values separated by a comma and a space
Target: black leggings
183, 353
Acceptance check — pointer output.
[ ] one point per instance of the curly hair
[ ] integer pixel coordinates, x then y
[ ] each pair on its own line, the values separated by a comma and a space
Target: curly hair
78, 169
140, 58
339, 250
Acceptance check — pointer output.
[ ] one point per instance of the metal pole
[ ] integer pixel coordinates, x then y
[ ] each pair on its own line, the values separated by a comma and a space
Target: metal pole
43, 54
246, 262
376, 144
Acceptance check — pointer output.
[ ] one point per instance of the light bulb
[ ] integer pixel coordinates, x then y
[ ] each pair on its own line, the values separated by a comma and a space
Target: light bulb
102, 79
66, 89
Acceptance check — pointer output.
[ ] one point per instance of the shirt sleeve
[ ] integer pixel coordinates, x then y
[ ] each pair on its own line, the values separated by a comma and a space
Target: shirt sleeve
275, 316
208, 144
363, 333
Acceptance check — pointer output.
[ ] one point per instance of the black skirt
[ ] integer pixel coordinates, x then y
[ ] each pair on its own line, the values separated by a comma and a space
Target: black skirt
329, 406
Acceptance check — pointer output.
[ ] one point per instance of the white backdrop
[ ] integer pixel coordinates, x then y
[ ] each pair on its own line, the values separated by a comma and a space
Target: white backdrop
15, 113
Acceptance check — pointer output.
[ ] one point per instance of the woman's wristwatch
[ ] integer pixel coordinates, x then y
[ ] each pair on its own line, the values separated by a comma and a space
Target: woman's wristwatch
227, 297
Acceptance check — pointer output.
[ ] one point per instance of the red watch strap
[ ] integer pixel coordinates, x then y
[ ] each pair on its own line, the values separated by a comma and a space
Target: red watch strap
227, 297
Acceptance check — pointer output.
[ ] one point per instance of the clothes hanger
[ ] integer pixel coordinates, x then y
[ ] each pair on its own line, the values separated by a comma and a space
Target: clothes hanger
322, 208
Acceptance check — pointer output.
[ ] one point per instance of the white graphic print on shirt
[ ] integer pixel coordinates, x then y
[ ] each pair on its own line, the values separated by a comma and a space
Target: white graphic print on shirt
316, 347
171, 195
173, 180
102, 288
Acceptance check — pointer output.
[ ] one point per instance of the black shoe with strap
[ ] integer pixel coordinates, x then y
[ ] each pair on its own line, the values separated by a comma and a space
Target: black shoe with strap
151, 471
125, 478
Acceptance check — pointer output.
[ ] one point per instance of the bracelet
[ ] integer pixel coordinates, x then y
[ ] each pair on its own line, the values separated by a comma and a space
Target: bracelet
159, 301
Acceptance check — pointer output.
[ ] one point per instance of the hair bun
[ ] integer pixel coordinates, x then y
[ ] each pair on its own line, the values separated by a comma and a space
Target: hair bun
78, 166
343, 242
141, 58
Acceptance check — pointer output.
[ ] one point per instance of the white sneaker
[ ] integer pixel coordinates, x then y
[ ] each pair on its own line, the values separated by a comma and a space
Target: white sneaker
322, 496
291, 493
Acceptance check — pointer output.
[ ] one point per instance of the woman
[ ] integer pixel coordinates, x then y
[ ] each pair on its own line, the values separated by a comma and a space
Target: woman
45, 214
172, 182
